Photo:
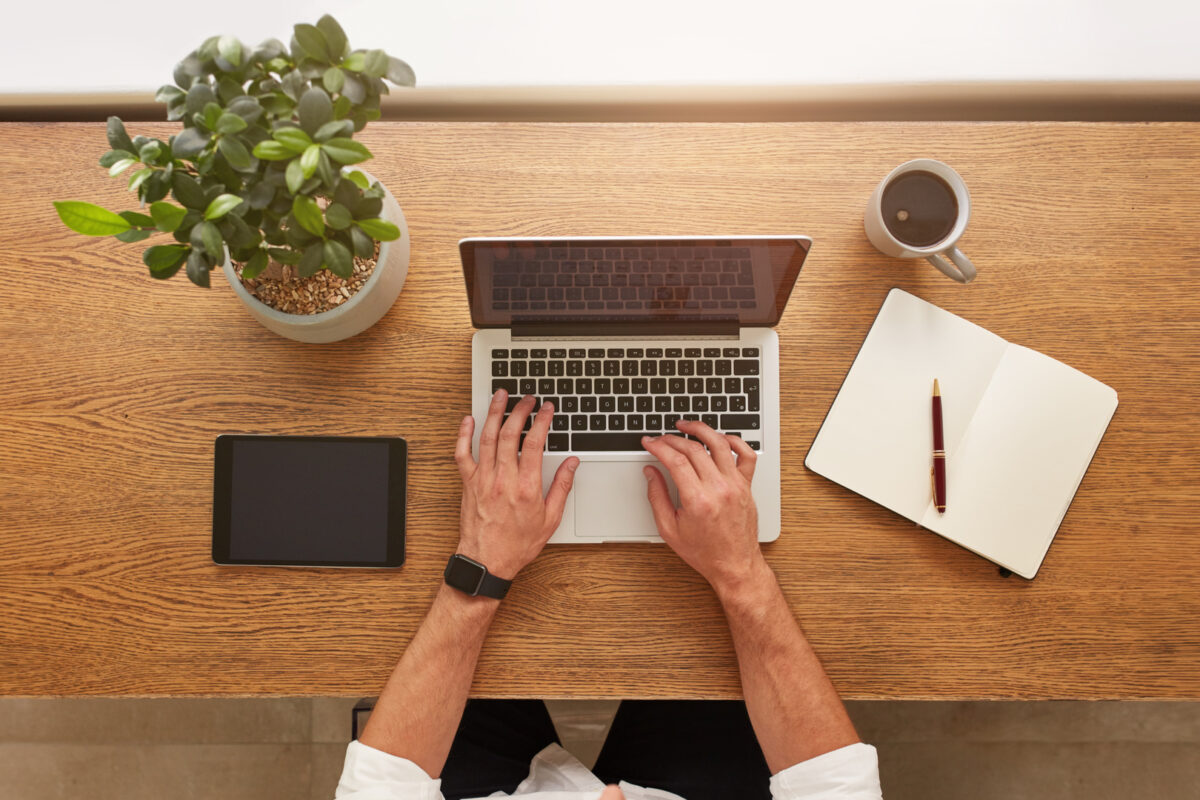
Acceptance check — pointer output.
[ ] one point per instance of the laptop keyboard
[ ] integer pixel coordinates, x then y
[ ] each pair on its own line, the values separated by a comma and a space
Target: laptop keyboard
575, 278
607, 399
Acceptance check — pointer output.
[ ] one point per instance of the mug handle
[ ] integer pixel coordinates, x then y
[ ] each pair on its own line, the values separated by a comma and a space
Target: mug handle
966, 270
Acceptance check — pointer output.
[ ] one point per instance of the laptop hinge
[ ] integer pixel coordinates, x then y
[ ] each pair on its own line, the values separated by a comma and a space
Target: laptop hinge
585, 329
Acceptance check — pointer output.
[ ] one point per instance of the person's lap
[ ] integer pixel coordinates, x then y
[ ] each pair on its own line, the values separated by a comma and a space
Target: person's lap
700, 750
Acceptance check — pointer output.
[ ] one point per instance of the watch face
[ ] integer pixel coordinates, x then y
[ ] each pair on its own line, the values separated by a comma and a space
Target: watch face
464, 574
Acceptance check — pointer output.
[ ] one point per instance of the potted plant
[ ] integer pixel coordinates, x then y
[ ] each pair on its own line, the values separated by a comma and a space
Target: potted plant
261, 182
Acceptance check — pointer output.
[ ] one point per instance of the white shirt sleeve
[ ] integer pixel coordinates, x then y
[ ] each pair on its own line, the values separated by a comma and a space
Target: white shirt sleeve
851, 772
371, 774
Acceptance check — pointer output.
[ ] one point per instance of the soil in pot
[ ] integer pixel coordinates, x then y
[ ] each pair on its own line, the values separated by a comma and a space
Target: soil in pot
279, 287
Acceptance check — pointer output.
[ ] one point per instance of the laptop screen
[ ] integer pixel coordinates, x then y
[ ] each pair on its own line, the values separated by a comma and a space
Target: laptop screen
631, 280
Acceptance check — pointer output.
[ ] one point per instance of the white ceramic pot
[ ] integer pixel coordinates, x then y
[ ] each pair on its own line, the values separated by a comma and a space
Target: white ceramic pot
364, 309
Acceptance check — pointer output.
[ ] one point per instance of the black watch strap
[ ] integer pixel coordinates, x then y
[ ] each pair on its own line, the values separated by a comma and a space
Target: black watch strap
493, 586
470, 577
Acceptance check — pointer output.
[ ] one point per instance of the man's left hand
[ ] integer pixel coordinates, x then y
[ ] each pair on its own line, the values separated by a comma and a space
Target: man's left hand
505, 521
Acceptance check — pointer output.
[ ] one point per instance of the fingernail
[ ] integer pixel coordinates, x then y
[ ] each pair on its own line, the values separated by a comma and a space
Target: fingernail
499, 393
647, 474
465, 420
574, 465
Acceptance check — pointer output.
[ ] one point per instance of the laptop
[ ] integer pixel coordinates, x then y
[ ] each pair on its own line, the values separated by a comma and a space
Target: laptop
626, 335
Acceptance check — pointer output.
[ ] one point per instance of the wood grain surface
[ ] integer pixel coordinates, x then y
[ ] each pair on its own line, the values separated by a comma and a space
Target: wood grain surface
113, 387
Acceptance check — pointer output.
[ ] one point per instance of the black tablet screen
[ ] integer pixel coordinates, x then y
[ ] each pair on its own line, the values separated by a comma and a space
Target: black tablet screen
308, 500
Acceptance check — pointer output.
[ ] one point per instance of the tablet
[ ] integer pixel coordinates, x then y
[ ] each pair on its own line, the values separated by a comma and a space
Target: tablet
309, 501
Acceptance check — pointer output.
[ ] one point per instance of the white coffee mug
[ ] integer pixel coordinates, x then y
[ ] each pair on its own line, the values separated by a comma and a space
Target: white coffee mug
888, 244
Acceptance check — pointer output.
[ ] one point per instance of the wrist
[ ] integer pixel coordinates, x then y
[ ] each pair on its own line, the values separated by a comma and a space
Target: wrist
467, 607
746, 585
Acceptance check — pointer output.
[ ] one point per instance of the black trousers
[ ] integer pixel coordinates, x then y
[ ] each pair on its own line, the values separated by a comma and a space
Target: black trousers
698, 749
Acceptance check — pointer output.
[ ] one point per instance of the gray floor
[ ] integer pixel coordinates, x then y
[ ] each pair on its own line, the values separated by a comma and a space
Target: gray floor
293, 748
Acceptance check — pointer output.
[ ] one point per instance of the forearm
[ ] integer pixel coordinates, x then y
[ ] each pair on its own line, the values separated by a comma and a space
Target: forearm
418, 712
795, 710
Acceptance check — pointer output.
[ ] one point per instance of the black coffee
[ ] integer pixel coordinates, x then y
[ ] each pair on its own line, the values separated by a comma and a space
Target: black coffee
919, 208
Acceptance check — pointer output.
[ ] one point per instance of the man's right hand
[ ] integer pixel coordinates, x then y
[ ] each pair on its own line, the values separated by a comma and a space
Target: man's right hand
715, 527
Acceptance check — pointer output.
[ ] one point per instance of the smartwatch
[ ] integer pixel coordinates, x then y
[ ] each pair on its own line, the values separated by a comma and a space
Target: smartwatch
473, 578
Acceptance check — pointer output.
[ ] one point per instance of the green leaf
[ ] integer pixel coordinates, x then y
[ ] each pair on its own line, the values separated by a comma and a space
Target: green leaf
166, 216
187, 191
400, 73
308, 161
337, 257
230, 123
295, 175
246, 107
346, 151
375, 63
335, 37
341, 107
338, 217
325, 170
152, 152
118, 139
312, 41
230, 49
199, 96
314, 109
333, 79
164, 257
113, 156
310, 260
168, 94
379, 229
138, 177
284, 256
90, 219
256, 264
355, 61
353, 89
235, 152
133, 235
208, 237
294, 139
134, 218
270, 150
222, 205
337, 127
121, 166
364, 246
368, 207
197, 269
308, 214
358, 179
261, 195
189, 143
212, 113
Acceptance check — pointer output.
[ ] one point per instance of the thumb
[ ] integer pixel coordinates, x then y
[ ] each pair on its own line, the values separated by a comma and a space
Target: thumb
660, 502
560, 487
612, 792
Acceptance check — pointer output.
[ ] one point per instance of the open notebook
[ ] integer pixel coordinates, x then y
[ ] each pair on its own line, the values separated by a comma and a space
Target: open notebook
1020, 430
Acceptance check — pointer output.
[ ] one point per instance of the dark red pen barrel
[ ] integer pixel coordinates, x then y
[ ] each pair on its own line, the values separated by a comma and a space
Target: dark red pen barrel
939, 457
937, 422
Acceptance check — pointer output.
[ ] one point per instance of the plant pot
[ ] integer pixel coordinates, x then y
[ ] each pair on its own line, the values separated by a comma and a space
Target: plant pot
361, 311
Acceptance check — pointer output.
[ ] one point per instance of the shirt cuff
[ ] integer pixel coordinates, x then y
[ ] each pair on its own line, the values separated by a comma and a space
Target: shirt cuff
848, 772
371, 774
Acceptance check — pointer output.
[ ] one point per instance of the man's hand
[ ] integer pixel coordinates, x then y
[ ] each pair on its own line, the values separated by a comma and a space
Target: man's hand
715, 528
505, 521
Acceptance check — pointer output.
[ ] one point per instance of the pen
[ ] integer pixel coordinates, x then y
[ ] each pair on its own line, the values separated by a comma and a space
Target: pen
938, 472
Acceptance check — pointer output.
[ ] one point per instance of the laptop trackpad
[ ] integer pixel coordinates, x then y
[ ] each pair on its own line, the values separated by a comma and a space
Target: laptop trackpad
610, 500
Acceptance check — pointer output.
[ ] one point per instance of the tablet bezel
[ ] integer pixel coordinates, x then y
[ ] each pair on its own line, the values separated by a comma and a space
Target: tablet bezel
223, 495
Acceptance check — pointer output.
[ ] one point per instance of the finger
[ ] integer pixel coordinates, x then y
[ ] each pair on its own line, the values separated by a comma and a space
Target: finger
746, 457
696, 455
510, 434
462, 449
677, 464
490, 434
660, 502
535, 441
560, 487
715, 442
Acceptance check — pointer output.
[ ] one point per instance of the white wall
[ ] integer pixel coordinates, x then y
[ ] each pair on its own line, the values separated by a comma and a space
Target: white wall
78, 46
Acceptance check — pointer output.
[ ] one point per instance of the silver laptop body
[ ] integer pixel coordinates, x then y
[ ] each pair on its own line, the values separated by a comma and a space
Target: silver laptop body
625, 335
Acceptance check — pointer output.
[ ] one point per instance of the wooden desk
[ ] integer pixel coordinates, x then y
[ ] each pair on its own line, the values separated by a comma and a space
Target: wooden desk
115, 385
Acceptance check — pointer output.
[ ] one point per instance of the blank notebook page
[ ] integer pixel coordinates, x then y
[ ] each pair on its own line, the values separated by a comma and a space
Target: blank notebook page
1011, 478
878, 437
